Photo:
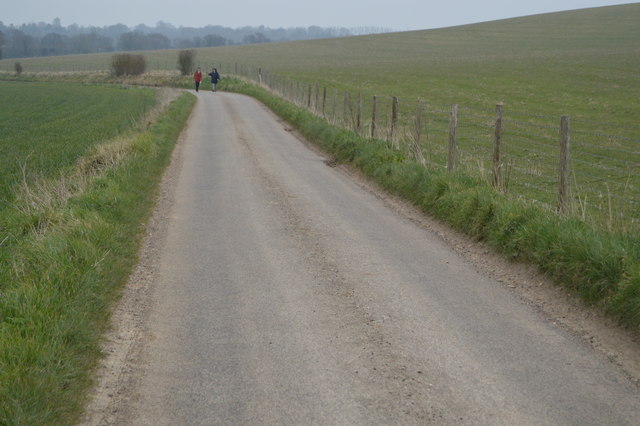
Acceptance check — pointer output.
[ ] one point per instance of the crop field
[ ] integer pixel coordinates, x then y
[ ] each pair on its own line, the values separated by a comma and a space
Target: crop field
583, 64
45, 128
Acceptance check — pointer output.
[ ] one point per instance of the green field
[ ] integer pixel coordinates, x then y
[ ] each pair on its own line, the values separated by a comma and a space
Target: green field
580, 63
79, 166
583, 64
46, 127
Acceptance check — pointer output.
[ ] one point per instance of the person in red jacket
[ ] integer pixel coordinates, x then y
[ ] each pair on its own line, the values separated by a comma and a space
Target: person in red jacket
197, 77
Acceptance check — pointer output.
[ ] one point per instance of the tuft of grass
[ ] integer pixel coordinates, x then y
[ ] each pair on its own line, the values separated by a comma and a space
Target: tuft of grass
603, 268
65, 262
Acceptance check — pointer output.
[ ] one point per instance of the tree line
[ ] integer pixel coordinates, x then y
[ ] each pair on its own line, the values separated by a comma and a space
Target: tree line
50, 39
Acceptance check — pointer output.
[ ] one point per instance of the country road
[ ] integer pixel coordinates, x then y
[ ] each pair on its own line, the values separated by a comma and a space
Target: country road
280, 291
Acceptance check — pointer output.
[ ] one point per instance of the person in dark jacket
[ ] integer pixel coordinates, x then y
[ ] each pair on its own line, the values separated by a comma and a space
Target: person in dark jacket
215, 78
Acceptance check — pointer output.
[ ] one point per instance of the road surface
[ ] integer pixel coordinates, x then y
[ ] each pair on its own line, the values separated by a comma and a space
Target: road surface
286, 293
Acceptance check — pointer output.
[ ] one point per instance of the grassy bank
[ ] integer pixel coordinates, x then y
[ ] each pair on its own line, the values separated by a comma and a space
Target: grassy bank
68, 241
602, 267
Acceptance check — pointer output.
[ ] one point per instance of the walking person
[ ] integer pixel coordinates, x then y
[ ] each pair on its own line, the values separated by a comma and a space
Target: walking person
197, 78
215, 78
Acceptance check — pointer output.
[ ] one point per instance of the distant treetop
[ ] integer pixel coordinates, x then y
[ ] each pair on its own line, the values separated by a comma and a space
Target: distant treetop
50, 39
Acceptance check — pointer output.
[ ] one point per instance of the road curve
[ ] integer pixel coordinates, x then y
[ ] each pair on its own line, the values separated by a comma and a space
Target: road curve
287, 294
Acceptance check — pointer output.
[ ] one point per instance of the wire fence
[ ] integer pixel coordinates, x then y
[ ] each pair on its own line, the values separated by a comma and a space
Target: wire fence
602, 171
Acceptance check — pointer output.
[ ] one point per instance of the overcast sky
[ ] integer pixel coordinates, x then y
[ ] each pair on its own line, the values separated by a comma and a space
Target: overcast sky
398, 15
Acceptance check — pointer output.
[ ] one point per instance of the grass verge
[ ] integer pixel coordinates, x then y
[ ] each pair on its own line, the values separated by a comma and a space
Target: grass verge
68, 263
603, 268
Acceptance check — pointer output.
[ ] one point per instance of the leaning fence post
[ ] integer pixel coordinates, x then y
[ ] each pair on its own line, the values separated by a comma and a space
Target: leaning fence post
373, 117
453, 139
563, 191
497, 165
394, 123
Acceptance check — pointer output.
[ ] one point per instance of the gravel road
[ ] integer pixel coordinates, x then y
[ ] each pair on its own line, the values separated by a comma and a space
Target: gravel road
279, 290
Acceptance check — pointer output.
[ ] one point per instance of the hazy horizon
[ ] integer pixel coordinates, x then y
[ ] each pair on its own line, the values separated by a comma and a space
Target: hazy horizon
402, 15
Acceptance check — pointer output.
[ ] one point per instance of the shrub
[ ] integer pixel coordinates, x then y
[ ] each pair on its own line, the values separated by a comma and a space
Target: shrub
185, 61
18, 68
128, 64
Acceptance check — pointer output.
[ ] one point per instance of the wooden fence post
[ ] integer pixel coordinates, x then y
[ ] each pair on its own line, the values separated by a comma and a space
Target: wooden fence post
394, 123
417, 148
453, 139
309, 98
324, 101
563, 190
315, 106
497, 165
373, 116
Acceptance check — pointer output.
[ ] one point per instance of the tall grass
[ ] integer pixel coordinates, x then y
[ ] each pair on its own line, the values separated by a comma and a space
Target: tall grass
63, 262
